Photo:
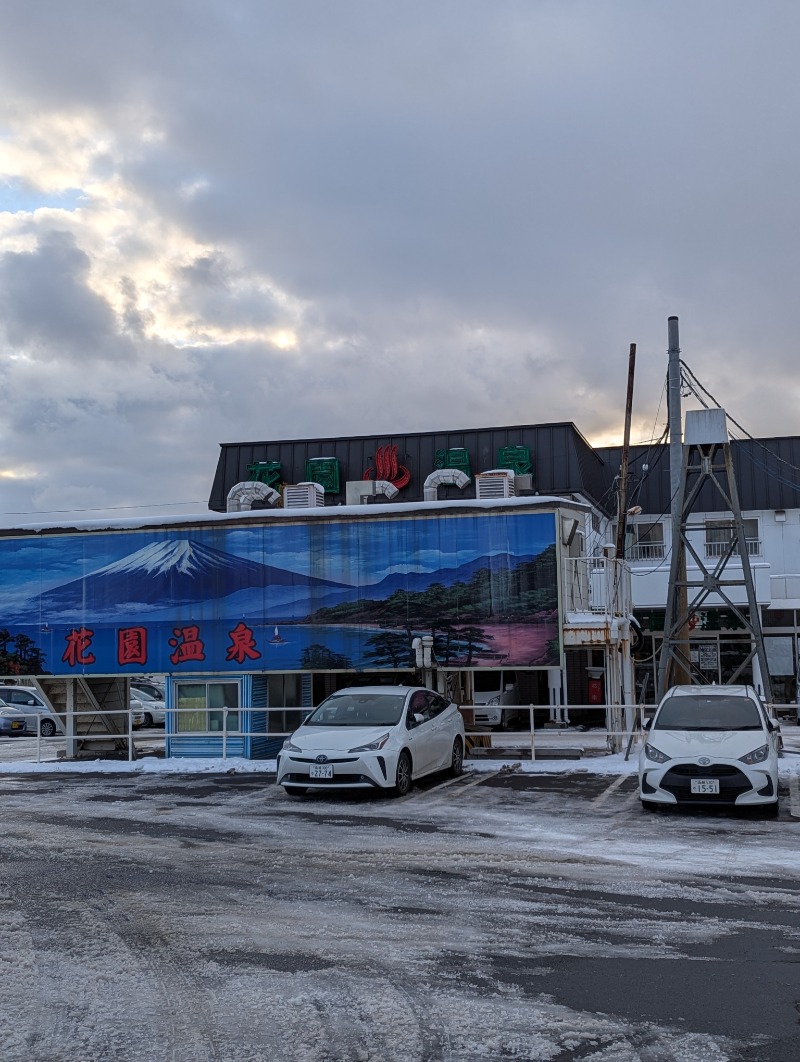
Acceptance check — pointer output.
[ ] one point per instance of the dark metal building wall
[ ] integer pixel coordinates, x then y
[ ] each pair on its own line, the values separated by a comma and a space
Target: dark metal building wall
767, 475
563, 461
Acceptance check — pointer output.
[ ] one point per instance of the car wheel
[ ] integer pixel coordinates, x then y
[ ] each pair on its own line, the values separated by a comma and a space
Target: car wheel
295, 790
147, 719
649, 805
47, 728
457, 761
402, 779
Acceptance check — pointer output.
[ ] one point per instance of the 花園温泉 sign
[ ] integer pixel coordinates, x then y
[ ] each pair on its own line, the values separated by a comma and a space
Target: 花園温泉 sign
283, 594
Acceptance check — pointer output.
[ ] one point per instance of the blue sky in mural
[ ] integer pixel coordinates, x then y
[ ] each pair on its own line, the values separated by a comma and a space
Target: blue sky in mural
349, 552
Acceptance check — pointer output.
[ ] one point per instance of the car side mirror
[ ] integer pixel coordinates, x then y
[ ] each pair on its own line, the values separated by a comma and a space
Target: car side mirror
647, 723
773, 725
418, 718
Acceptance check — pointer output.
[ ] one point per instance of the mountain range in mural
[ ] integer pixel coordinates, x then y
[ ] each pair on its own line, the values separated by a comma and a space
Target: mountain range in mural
165, 575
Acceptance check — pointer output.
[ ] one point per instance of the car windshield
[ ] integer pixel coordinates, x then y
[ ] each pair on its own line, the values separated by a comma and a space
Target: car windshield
716, 712
359, 709
141, 695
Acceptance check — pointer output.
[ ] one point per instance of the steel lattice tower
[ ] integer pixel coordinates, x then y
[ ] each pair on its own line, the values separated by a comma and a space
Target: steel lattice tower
707, 460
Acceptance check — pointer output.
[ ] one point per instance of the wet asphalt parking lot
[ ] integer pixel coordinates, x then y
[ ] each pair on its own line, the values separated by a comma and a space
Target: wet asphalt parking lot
501, 916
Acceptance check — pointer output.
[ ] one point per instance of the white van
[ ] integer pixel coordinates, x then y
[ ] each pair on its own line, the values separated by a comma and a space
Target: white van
495, 693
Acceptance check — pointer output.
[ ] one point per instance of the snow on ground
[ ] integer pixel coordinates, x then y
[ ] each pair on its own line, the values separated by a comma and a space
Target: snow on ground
209, 916
615, 764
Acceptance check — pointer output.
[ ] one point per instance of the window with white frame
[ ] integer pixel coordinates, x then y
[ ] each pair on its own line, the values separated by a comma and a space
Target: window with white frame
201, 706
720, 533
646, 541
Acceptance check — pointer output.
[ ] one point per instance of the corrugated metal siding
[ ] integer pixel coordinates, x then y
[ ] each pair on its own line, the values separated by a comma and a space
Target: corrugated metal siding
262, 748
767, 470
307, 691
767, 476
563, 462
206, 747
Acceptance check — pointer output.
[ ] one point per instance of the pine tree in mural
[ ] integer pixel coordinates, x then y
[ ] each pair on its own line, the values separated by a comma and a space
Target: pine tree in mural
20, 655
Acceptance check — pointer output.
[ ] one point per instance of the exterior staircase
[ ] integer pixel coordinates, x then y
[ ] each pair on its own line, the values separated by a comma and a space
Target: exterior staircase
107, 701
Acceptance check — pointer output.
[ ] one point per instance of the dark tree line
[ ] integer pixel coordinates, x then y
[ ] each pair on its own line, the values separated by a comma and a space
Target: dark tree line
454, 615
522, 594
320, 657
20, 655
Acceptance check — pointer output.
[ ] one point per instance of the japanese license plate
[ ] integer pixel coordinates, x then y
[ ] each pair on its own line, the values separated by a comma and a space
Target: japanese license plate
705, 785
17, 725
321, 770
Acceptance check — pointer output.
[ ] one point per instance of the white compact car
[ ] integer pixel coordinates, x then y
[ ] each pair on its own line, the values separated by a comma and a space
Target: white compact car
710, 745
153, 711
381, 737
494, 694
29, 701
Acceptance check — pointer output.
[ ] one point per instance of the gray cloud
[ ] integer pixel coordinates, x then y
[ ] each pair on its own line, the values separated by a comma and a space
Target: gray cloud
44, 301
447, 214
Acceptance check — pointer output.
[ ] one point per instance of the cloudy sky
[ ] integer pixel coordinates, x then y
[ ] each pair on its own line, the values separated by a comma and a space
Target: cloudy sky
224, 220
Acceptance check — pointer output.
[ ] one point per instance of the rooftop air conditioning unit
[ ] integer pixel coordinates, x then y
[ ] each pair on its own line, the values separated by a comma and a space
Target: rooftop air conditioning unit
303, 496
497, 483
364, 491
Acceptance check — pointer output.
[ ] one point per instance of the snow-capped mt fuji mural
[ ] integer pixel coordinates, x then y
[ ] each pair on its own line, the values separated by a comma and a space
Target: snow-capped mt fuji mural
337, 594
168, 574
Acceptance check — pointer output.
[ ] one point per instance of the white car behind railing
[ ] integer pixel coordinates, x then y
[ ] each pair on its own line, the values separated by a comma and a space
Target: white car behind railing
153, 711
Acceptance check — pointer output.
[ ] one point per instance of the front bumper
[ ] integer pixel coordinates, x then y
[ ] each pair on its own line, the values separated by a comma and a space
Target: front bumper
739, 784
492, 717
365, 770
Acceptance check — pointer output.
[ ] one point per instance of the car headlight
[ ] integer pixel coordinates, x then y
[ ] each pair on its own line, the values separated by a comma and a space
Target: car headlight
757, 756
652, 753
373, 746
289, 747
494, 700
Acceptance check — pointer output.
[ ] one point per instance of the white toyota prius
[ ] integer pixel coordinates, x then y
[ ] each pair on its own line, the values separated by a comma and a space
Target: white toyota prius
710, 745
381, 737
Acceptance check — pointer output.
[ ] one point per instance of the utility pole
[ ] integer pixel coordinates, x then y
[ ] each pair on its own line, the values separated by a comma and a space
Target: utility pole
675, 424
679, 674
622, 502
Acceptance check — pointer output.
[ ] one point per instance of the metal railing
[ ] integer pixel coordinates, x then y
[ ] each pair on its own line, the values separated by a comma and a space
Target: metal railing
718, 549
597, 584
645, 551
603, 739
225, 734
100, 735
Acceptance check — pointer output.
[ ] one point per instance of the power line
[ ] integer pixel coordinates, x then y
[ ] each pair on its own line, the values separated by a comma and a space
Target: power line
100, 509
745, 432
695, 384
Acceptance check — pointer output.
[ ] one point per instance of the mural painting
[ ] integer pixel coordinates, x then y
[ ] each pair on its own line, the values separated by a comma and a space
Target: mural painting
283, 595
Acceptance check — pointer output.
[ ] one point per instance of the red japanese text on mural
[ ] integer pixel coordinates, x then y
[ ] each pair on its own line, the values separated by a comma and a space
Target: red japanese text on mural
243, 644
132, 645
78, 643
187, 645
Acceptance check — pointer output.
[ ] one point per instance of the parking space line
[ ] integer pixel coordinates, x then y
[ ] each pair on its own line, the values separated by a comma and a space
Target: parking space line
448, 782
598, 800
482, 776
794, 796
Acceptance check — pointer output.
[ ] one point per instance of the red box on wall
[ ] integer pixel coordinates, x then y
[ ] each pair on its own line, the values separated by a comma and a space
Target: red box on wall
595, 691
